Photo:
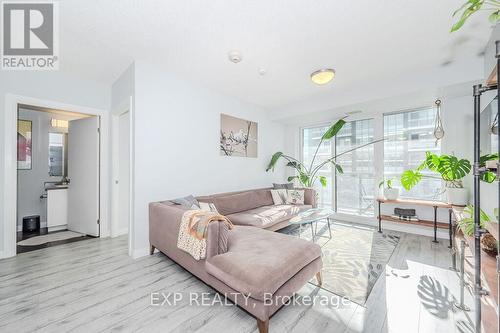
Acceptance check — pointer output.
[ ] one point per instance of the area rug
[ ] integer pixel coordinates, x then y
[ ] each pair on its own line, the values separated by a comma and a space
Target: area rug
353, 259
53, 237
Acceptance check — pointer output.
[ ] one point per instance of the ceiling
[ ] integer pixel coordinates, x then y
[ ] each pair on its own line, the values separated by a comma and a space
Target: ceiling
378, 48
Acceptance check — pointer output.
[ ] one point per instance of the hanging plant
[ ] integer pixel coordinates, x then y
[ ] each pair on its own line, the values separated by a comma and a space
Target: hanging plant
438, 126
472, 6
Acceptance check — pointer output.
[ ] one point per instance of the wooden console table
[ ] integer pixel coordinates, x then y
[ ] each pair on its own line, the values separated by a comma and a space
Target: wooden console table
426, 203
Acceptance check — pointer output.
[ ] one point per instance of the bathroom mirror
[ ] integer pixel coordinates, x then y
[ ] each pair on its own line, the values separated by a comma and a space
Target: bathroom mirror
57, 155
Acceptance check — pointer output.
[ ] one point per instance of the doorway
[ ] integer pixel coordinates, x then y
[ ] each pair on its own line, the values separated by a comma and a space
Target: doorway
58, 176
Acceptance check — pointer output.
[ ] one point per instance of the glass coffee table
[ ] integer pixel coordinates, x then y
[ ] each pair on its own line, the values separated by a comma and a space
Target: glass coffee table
312, 216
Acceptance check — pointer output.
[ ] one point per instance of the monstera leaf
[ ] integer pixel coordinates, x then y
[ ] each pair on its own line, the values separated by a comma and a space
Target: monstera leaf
451, 168
410, 178
432, 162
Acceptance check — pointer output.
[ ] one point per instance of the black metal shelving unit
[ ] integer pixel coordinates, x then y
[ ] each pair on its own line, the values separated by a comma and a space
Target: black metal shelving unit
479, 292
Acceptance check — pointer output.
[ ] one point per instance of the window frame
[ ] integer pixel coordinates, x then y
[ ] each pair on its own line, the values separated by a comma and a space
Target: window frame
333, 184
383, 115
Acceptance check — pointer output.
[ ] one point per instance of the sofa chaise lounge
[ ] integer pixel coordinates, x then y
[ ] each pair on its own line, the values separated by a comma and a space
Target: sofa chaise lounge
266, 267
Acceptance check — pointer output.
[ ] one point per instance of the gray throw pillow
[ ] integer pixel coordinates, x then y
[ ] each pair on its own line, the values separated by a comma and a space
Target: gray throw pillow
287, 186
189, 202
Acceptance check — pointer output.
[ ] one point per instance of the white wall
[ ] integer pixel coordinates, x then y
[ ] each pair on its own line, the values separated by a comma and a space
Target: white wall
123, 88
30, 182
176, 148
54, 86
457, 110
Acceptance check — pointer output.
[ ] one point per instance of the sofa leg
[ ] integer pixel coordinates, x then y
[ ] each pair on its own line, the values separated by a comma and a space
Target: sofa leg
319, 277
151, 249
263, 326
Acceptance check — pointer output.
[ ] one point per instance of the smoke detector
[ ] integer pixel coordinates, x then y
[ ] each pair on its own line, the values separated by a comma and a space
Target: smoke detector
234, 57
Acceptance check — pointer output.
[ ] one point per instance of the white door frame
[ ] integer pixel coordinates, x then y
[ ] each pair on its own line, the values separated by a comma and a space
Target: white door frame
124, 107
10, 168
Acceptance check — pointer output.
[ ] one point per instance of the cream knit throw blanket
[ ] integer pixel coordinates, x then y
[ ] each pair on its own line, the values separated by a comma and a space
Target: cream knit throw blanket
193, 231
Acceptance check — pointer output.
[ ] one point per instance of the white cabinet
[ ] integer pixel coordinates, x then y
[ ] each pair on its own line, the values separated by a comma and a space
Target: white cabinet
57, 208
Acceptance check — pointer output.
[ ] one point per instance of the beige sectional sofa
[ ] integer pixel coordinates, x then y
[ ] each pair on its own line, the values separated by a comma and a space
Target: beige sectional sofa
265, 266
256, 208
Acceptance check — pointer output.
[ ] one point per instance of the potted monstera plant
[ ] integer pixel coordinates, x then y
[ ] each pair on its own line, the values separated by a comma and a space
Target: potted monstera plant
451, 170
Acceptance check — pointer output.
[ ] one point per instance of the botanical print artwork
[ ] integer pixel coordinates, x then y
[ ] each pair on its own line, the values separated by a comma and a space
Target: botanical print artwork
238, 137
23, 144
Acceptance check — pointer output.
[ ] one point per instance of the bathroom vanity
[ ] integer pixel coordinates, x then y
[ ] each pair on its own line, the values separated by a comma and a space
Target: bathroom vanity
57, 207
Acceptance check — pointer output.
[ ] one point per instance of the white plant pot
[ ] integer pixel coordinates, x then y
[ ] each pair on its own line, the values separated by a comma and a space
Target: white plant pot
391, 193
457, 196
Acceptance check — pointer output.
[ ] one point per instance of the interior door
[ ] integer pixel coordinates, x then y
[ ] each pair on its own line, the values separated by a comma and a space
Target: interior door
124, 172
83, 172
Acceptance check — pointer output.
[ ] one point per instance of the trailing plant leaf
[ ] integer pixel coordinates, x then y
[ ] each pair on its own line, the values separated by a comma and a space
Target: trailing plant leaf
488, 157
488, 176
467, 223
494, 17
291, 178
410, 178
323, 181
274, 160
333, 130
472, 6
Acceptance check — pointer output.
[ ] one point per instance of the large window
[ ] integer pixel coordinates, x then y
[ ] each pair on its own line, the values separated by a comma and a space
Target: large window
311, 138
355, 188
408, 135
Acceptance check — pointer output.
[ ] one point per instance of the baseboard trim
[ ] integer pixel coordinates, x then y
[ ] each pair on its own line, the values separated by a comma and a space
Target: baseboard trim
57, 227
137, 253
5, 255
119, 232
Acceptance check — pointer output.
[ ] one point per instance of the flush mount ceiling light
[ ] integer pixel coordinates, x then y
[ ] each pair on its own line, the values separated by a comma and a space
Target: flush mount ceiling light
323, 76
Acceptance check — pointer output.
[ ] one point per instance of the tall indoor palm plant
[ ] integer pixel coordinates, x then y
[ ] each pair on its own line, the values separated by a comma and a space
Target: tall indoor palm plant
308, 175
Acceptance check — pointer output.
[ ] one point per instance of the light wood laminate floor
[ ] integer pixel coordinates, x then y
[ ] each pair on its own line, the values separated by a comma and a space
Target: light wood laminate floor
94, 286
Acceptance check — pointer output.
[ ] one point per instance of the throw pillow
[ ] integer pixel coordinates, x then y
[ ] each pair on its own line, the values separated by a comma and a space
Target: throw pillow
205, 206
287, 186
295, 197
208, 207
189, 202
279, 196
